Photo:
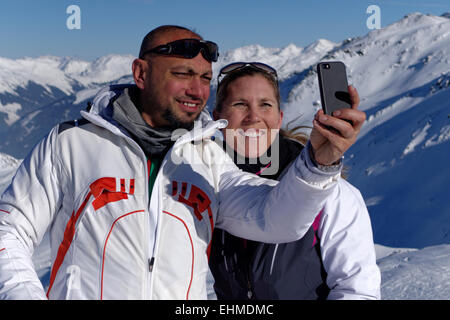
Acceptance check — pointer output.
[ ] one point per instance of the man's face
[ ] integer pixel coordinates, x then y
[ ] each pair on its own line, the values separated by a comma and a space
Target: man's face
176, 89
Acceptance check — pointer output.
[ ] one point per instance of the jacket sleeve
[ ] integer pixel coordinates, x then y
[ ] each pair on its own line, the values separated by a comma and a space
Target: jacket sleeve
265, 210
26, 210
347, 247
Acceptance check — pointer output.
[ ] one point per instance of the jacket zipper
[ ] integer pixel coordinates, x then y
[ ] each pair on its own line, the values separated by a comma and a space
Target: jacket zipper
151, 262
156, 188
248, 262
148, 284
249, 288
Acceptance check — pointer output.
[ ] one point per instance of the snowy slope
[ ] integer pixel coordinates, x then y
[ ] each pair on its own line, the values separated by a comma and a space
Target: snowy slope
416, 274
24, 133
402, 170
37, 93
61, 72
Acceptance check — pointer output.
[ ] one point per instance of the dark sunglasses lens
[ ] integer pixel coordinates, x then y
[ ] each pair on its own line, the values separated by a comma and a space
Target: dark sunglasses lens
191, 48
186, 48
210, 51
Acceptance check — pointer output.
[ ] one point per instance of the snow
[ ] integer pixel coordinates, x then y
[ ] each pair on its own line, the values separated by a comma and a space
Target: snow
416, 275
444, 136
399, 162
61, 73
85, 94
418, 137
8, 167
43, 70
383, 251
10, 110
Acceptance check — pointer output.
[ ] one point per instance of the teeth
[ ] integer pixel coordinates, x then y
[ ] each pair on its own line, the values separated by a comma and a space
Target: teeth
251, 133
189, 104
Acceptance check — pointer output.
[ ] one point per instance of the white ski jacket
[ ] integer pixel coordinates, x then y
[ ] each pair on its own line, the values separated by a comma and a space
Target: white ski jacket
347, 252
347, 248
87, 185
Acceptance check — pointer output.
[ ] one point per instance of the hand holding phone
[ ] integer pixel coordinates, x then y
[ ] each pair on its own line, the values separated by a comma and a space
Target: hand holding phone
333, 133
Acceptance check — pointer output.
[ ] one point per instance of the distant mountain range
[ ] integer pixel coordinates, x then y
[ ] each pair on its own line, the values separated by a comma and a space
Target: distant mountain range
402, 73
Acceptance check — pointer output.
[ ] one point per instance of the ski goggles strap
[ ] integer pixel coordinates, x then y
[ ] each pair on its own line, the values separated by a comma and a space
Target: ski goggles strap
187, 48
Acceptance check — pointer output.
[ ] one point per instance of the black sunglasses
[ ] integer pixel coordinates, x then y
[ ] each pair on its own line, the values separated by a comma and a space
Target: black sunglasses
229, 68
187, 48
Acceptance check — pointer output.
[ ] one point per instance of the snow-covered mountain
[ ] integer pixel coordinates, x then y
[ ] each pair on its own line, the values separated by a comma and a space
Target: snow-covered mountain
402, 73
36, 94
400, 161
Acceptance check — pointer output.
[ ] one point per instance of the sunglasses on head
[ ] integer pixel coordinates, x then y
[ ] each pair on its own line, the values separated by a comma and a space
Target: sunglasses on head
241, 65
187, 48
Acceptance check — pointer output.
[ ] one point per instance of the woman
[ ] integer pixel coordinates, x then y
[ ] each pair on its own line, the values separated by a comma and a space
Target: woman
336, 258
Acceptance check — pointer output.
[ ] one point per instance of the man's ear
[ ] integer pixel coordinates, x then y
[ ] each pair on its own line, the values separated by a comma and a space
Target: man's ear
139, 69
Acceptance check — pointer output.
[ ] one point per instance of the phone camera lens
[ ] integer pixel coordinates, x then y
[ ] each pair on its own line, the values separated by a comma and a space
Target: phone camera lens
326, 66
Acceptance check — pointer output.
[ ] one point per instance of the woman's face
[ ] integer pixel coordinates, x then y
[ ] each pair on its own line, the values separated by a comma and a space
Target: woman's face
253, 115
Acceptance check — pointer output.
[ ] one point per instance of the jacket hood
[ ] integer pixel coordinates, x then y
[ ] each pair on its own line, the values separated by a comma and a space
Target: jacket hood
101, 114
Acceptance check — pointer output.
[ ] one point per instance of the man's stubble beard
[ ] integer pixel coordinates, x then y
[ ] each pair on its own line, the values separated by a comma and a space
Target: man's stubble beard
174, 122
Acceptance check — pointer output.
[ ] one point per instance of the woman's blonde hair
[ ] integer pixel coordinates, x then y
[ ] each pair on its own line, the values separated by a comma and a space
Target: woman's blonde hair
296, 134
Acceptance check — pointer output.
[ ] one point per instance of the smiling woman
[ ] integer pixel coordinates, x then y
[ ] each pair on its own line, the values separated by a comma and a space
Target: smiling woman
249, 99
311, 267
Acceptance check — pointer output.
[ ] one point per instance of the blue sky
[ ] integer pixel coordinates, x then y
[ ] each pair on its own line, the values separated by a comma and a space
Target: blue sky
38, 27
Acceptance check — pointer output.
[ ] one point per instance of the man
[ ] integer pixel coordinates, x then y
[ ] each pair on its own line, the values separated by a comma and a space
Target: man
130, 211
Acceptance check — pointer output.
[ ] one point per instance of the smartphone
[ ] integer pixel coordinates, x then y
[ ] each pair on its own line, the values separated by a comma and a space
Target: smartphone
333, 86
